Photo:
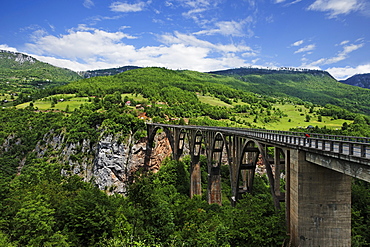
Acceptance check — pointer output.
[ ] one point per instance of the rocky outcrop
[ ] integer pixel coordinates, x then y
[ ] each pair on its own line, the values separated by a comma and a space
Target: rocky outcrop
161, 151
109, 163
114, 163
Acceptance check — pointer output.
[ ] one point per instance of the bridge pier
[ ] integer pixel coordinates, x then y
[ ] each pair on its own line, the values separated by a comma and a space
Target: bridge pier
319, 204
195, 178
214, 186
214, 169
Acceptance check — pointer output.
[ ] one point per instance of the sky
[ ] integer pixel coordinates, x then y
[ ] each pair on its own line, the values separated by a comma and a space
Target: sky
200, 35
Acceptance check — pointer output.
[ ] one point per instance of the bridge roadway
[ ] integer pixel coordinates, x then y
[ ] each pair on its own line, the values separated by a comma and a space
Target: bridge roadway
352, 153
317, 172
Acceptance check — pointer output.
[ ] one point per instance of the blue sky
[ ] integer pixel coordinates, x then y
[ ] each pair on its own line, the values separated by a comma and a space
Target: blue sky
201, 35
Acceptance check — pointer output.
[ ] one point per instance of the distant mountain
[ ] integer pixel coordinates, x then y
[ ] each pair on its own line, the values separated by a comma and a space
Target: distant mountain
19, 70
315, 86
267, 71
318, 87
359, 80
106, 72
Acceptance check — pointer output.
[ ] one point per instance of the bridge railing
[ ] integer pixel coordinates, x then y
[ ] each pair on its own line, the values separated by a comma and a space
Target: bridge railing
347, 147
335, 144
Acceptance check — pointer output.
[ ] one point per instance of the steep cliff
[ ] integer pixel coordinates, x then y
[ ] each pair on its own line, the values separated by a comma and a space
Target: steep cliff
110, 163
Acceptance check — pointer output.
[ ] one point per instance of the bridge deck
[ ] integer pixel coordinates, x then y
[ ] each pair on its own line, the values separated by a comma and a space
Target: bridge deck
349, 148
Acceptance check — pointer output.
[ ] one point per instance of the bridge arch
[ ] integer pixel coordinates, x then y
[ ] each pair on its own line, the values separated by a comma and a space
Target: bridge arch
246, 166
176, 138
179, 143
152, 132
219, 144
196, 139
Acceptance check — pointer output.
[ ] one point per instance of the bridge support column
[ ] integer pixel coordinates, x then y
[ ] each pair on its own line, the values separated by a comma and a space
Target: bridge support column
319, 205
195, 178
214, 186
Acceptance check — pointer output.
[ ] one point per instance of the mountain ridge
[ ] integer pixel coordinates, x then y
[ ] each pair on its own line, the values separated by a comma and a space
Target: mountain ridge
106, 72
359, 80
263, 71
18, 70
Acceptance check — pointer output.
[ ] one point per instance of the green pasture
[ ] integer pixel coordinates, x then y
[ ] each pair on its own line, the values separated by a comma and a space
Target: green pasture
7, 97
70, 101
296, 118
136, 97
4, 96
207, 99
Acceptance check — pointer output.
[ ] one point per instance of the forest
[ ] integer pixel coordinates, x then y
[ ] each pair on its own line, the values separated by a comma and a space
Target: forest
43, 203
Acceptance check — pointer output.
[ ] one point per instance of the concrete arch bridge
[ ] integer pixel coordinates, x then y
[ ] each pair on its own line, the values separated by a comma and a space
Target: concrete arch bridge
318, 171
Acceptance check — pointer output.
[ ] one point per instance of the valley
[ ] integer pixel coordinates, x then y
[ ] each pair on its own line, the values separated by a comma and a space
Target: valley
72, 154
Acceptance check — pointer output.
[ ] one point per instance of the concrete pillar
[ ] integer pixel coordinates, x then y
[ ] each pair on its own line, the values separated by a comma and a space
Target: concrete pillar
195, 178
214, 186
277, 171
178, 143
319, 203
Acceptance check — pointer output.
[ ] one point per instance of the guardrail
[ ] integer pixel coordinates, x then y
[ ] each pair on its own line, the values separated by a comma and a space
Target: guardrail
344, 145
335, 145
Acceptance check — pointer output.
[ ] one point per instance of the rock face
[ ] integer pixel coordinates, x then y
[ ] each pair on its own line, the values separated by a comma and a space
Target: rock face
114, 163
110, 168
110, 164
161, 151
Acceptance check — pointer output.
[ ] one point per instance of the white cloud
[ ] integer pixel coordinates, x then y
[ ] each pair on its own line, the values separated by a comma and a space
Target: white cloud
195, 14
126, 7
250, 54
287, 4
344, 42
337, 7
96, 18
226, 28
88, 4
306, 48
191, 40
79, 43
294, 2
297, 43
196, 3
85, 48
63, 63
343, 73
197, 7
7, 48
340, 56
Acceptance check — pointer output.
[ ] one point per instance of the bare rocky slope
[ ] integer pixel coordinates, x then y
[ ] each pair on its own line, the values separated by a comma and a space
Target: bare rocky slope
109, 164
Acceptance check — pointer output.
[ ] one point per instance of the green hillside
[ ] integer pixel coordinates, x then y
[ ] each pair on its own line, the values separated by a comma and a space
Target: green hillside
199, 98
20, 72
312, 86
